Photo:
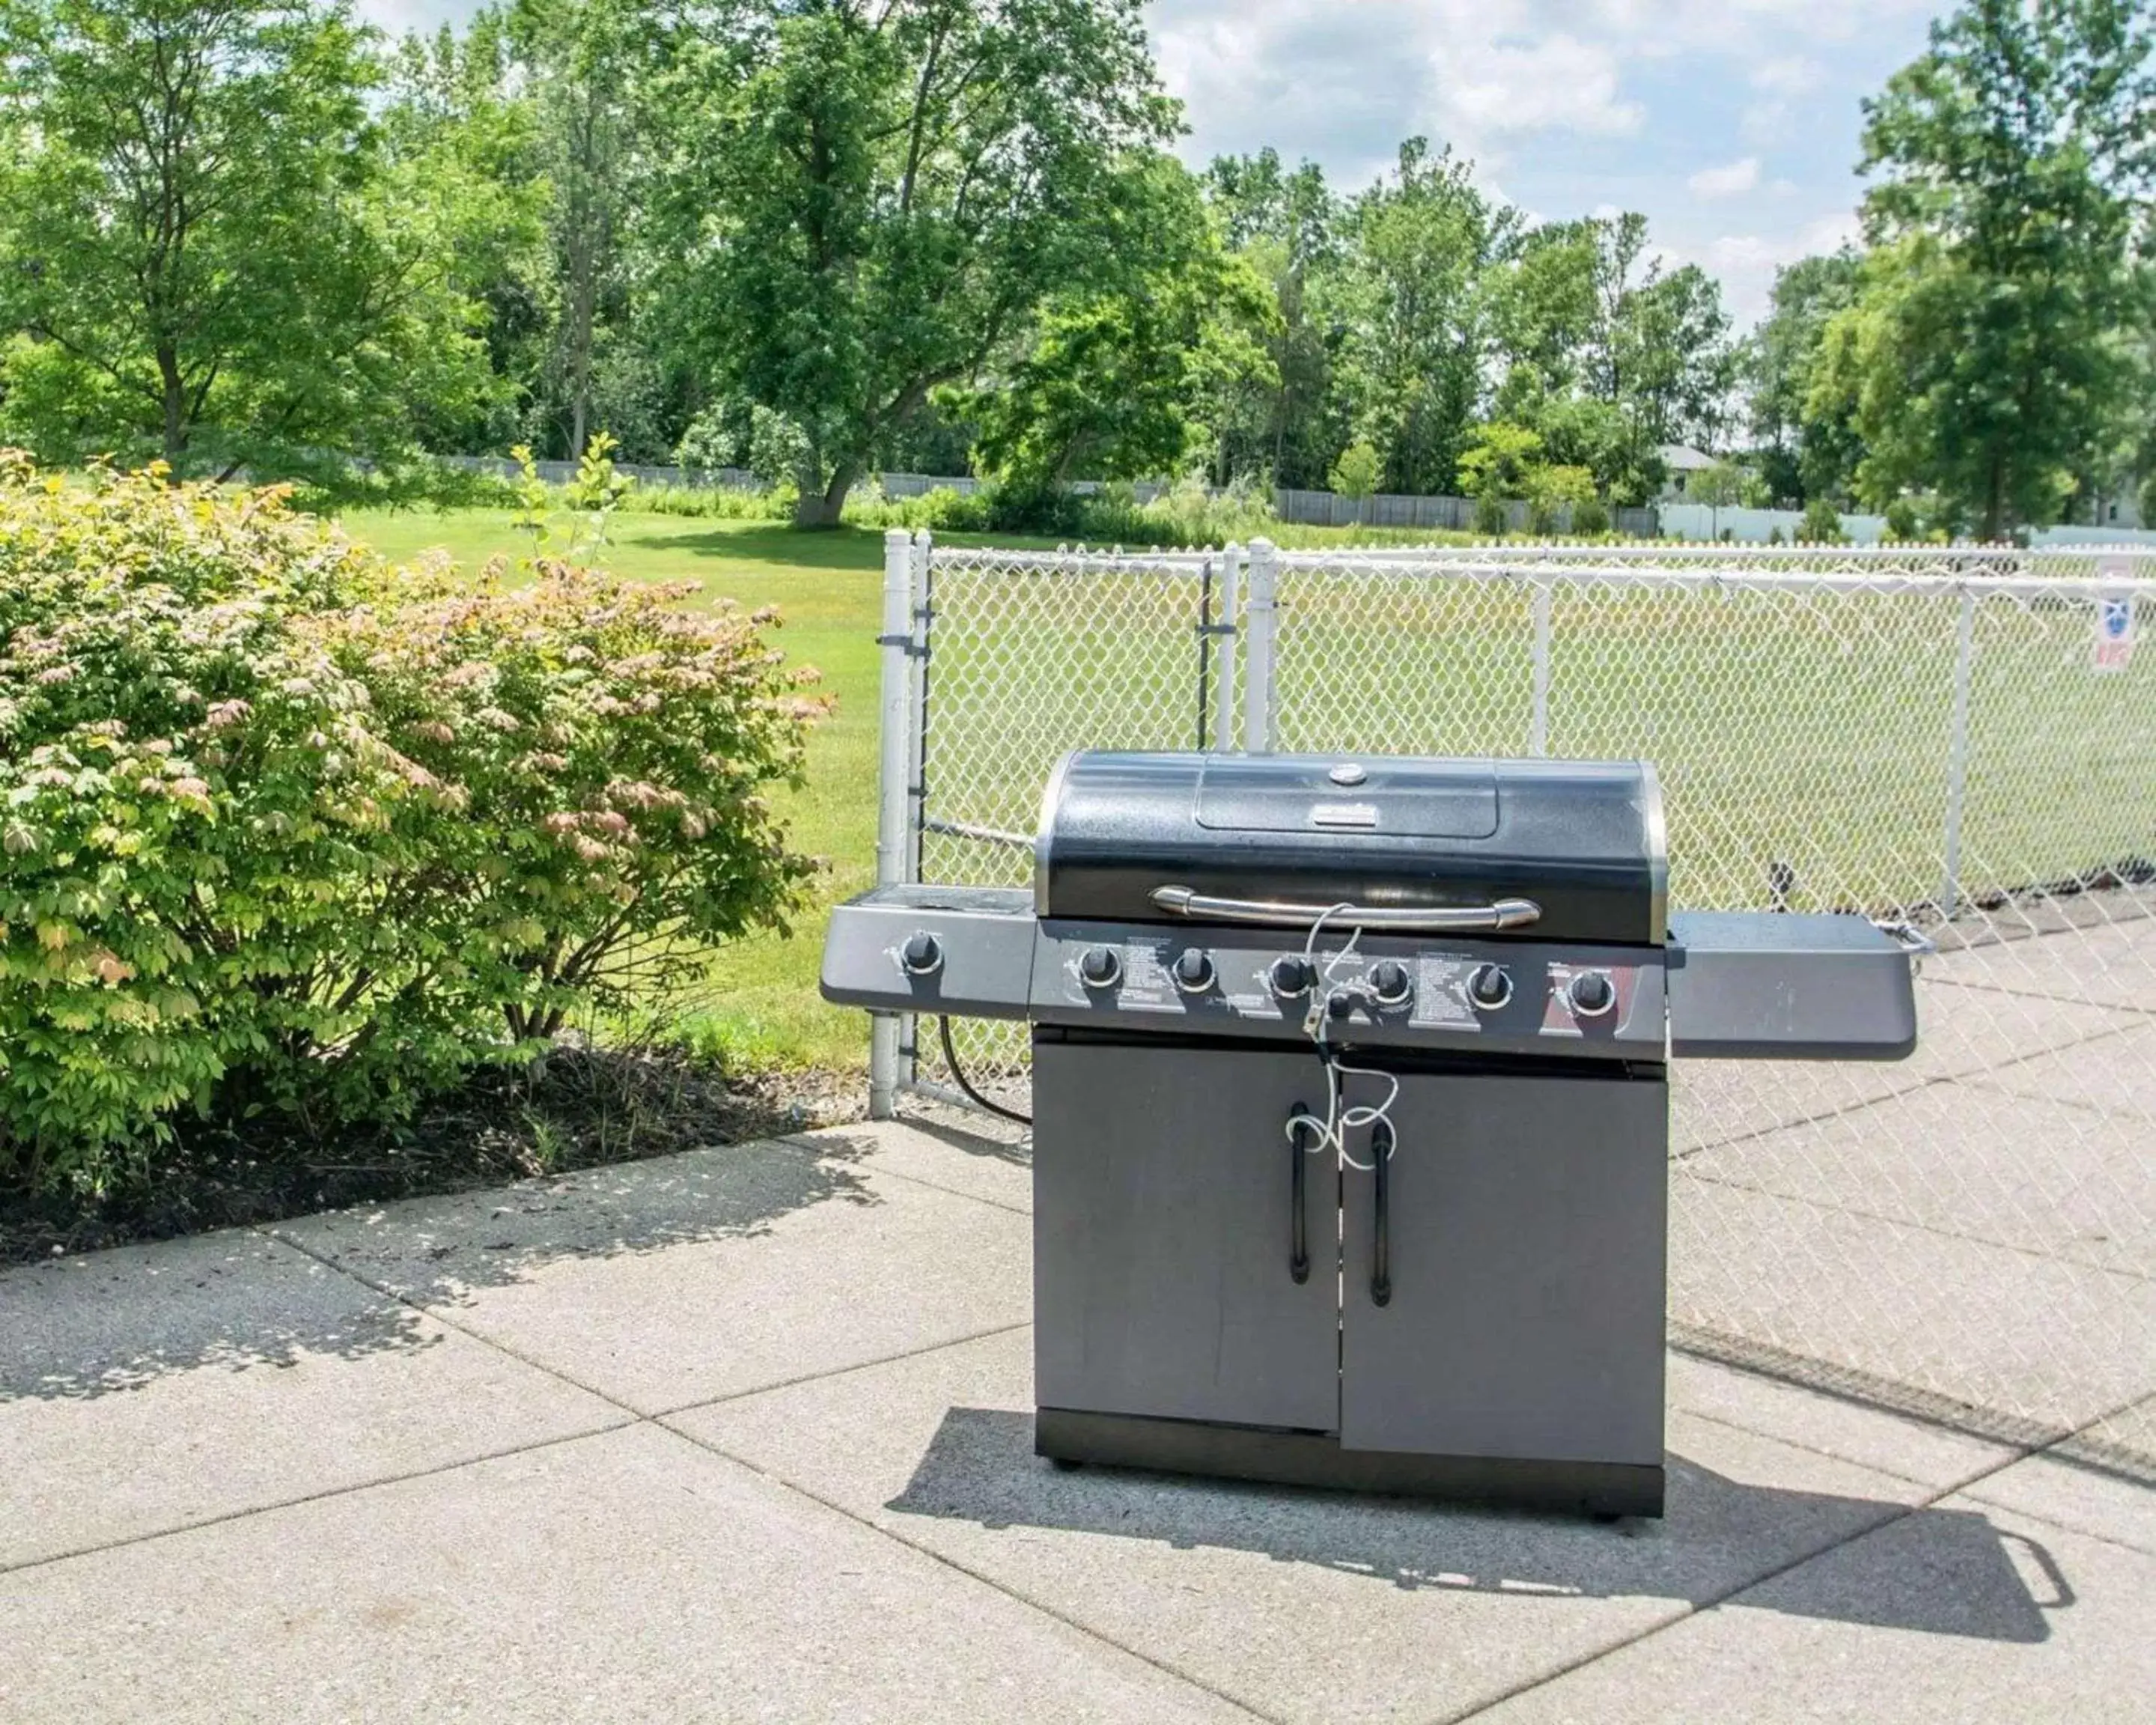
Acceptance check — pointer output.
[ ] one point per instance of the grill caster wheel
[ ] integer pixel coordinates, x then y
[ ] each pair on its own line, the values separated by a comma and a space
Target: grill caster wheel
1064, 1464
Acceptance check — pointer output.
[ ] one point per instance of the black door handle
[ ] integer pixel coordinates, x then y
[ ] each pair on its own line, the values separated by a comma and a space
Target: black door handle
1298, 1248
1381, 1248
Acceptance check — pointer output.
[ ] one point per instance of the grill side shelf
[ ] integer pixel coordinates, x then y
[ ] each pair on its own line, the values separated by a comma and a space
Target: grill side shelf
977, 961
1763, 985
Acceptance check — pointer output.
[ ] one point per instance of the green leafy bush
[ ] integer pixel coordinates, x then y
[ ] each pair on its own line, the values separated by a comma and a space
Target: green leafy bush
1820, 525
1903, 525
1590, 518
944, 510
283, 829
1491, 515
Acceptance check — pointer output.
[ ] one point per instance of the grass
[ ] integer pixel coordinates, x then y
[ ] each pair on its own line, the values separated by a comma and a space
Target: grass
1809, 733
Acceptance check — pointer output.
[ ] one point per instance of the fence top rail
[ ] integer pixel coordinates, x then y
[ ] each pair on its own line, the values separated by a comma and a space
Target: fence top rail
1081, 561
1678, 578
1991, 574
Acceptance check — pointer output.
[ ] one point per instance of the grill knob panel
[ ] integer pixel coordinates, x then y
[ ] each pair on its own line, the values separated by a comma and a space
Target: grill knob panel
1590, 994
1390, 983
1099, 967
922, 955
1192, 970
1289, 976
1489, 989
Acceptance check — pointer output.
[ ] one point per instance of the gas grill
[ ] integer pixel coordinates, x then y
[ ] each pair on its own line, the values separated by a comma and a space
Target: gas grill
1351, 1105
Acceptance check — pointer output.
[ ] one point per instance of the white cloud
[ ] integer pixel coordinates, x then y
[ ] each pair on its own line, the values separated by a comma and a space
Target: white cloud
1728, 181
1512, 85
1745, 264
1790, 76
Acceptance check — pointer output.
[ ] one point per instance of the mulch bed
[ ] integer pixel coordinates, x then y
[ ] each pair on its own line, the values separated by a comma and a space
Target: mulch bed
588, 1108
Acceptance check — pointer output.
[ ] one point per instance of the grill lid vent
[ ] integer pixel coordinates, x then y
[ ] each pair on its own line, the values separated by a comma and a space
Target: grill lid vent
1408, 798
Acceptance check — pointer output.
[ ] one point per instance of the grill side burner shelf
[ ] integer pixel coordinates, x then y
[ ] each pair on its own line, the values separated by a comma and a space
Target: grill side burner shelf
1463, 1296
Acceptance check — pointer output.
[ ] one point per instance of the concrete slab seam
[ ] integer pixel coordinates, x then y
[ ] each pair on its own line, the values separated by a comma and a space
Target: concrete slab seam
322, 1496
1941, 982
1896, 1514
1978, 1076
865, 1365
805, 1142
449, 1322
1920, 1227
988, 1581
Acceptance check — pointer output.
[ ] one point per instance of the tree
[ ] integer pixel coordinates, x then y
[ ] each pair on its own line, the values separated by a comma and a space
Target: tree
1990, 354
1552, 490
1357, 472
867, 202
1421, 243
194, 203
1717, 487
583, 60
1286, 225
1498, 459
1121, 374
1802, 454
459, 138
1604, 354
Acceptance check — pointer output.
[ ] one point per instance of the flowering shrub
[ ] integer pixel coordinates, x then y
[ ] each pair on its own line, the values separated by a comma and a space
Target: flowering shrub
283, 829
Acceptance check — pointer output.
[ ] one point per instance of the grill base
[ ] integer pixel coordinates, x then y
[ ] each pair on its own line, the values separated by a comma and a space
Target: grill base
1303, 1458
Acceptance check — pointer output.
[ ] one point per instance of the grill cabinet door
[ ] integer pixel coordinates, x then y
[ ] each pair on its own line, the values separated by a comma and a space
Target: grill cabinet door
1526, 1234
1162, 1178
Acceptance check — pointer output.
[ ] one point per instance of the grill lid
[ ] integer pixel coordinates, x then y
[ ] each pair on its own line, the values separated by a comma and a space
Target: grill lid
1544, 850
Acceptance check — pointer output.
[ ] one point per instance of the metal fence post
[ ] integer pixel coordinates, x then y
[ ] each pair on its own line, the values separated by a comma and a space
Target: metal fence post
1950, 893
1261, 708
893, 781
922, 601
1538, 721
1225, 657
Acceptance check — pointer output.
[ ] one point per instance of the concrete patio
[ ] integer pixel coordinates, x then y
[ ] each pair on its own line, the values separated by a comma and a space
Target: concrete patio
745, 1434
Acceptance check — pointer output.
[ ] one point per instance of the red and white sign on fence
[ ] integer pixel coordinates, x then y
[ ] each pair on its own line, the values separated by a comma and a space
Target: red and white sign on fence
2114, 617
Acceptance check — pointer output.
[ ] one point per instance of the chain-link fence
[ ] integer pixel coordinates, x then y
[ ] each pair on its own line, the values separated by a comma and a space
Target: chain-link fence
1950, 739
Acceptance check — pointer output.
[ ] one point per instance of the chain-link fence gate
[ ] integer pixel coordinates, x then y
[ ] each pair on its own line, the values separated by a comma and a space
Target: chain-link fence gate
1951, 738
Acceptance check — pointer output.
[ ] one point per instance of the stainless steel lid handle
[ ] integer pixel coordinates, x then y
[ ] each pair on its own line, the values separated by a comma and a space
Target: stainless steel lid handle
1410, 919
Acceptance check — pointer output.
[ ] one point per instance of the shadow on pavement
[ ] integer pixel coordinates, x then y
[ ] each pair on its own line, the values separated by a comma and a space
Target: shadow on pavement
1942, 1572
115, 1321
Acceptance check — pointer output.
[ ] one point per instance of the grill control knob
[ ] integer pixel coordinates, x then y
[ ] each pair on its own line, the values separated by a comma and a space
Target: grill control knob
1590, 994
1390, 983
1100, 968
922, 955
1290, 976
1193, 971
1490, 987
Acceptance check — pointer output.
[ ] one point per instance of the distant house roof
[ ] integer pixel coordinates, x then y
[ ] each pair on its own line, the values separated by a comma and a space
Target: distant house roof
1682, 458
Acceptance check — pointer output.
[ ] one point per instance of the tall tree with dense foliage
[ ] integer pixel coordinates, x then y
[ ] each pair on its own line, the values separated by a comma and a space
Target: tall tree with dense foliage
1802, 453
1994, 351
1122, 373
1421, 242
870, 201
206, 255
584, 63
1286, 223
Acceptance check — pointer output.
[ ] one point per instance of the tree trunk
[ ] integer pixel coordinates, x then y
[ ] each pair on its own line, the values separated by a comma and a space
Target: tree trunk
1995, 501
825, 511
176, 405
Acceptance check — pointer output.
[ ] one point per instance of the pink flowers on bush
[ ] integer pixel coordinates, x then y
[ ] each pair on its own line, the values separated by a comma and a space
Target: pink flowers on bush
281, 827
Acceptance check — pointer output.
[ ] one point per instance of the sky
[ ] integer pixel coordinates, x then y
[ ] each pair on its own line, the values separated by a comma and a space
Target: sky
1731, 124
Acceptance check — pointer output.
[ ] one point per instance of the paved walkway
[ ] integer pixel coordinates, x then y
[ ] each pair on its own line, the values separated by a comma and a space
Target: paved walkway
743, 1435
